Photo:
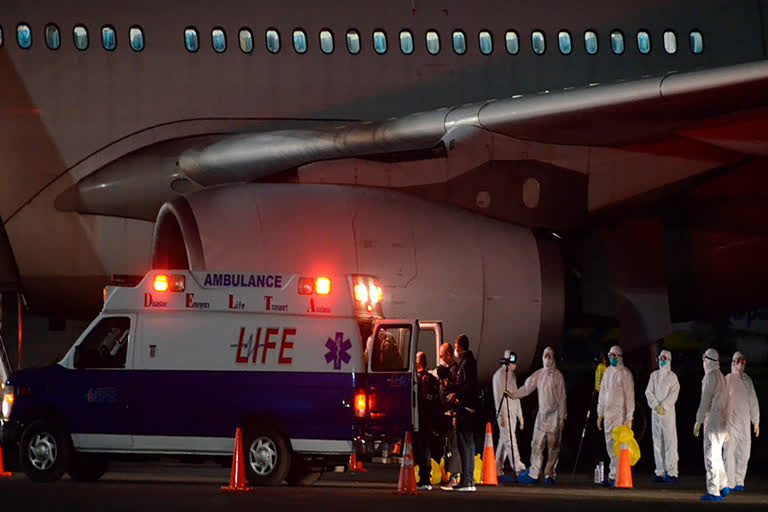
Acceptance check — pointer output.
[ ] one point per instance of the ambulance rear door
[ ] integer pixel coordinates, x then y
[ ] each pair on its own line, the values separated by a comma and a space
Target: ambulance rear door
392, 400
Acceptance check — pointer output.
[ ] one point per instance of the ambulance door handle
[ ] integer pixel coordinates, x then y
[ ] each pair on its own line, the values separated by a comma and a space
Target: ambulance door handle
344, 403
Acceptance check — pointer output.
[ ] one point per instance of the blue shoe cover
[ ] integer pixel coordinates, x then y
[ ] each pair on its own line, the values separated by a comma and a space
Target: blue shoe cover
523, 473
525, 479
725, 491
670, 479
710, 497
739, 488
658, 479
549, 481
611, 483
506, 479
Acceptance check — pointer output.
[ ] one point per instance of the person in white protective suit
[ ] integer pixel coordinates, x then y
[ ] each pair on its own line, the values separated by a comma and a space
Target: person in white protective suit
550, 419
713, 413
615, 404
743, 409
510, 414
661, 393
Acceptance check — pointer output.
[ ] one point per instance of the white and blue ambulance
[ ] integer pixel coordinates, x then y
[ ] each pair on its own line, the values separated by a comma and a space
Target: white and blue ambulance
173, 365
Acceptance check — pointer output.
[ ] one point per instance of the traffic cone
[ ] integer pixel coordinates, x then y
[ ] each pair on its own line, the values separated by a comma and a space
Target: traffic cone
237, 475
488, 476
3, 472
356, 466
624, 479
406, 484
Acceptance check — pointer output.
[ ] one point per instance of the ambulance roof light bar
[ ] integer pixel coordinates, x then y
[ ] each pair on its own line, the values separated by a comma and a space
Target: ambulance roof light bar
310, 285
164, 283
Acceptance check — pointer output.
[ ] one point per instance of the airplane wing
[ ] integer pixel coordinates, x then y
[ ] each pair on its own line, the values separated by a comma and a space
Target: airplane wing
594, 115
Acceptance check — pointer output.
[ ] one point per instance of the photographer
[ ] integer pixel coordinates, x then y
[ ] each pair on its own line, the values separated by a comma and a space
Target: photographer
508, 414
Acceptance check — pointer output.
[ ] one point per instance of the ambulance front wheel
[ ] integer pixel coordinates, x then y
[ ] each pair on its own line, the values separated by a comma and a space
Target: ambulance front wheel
45, 451
266, 456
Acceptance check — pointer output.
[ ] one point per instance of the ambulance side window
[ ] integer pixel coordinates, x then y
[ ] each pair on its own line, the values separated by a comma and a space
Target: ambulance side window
391, 349
106, 345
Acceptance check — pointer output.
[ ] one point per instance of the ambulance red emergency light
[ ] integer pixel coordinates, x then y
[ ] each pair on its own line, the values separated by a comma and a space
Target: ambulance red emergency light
174, 364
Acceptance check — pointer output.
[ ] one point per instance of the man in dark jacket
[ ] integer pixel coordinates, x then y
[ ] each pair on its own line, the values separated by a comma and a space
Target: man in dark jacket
429, 409
463, 395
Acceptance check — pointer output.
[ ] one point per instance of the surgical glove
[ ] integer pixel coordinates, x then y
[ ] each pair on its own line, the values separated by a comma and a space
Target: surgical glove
503, 421
521, 422
696, 429
629, 423
757, 430
599, 423
660, 410
727, 437
562, 425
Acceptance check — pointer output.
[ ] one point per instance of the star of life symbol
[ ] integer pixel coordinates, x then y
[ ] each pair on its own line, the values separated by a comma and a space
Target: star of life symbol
338, 351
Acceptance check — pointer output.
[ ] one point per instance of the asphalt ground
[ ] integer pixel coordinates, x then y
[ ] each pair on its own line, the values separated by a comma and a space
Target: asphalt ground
159, 486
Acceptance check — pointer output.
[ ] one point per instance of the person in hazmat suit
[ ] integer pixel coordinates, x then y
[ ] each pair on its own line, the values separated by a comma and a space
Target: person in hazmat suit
509, 415
743, 409
661, 393
615, 404
550, 420
713, 414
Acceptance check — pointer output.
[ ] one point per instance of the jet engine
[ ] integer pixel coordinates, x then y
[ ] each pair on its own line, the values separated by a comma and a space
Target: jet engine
495, 282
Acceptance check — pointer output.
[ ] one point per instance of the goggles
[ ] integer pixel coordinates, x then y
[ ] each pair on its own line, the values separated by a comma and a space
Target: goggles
707, 357
740, 360
663, 358
613, 354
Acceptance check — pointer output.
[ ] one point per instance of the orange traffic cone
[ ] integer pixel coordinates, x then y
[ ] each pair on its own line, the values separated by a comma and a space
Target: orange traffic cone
624, 479
237, 475
3, 472
356, 466
407, 482
488, 476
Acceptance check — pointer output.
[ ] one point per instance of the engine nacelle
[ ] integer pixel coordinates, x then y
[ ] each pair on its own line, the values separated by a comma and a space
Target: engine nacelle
491, 280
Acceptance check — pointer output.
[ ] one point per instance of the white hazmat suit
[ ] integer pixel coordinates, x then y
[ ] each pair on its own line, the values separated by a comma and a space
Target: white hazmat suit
509, 415
713, 413
616, 401
743, 409
661, 393
550, 419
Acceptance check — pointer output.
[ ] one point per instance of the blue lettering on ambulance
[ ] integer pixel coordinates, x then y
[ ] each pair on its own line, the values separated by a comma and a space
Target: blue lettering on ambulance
244, 281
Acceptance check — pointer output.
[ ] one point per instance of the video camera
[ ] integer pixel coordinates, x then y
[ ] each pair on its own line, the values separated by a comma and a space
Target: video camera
508, 360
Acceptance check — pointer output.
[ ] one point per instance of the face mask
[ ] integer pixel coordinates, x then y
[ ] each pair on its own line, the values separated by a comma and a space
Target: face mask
456, 354
614, 361
662, 363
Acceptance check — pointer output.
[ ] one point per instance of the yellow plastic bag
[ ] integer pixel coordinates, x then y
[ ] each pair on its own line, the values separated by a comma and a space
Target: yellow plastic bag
435, 475
478, 473
624, 434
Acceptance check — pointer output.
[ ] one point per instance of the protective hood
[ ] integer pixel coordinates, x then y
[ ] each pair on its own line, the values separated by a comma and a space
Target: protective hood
619, 356
711, 360
738, 363
507, 353
667, 366
549, 362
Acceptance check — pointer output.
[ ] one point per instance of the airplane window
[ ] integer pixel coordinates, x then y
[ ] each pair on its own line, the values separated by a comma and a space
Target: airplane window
433, 42
380, 42
459, 42
136, 36
24, 36
590, 42
513, 43
644, 42
1, 36
326, 41
81, 37
406, 42
353, 42
564, 39
52, 38
246, 40
697, 42
273, 40
486, 42
617, 42
670, 42
539, 45
108, 38
191, 39
218, 40
299, 41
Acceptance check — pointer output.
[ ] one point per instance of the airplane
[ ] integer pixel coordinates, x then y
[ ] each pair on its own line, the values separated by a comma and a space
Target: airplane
510, 167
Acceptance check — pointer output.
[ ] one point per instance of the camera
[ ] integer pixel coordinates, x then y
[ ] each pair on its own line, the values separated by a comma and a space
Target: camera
509, 360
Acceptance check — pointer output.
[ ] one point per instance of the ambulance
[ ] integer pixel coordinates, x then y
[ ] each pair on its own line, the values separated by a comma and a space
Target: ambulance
175, 363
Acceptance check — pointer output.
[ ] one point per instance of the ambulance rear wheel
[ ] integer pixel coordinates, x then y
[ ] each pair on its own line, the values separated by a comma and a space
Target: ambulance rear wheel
301, 472
266, 456
45, 451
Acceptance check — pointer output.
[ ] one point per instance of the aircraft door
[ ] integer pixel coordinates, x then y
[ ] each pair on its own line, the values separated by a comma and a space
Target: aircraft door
392, 400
